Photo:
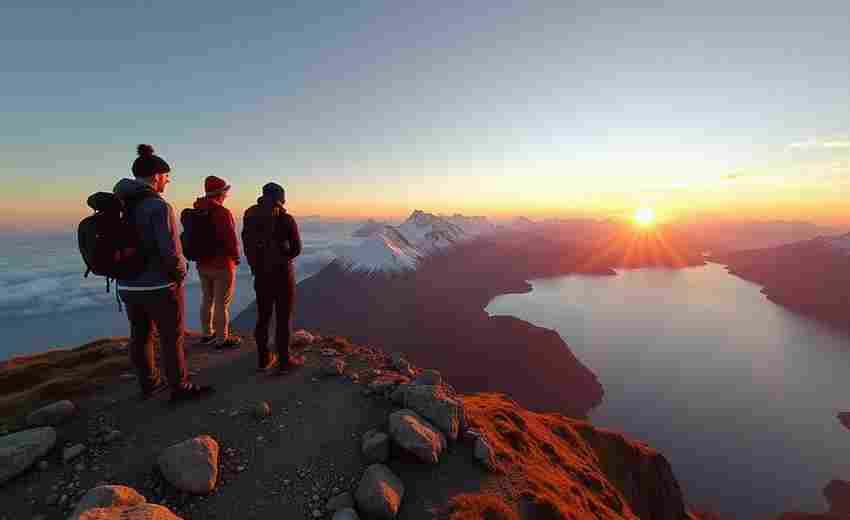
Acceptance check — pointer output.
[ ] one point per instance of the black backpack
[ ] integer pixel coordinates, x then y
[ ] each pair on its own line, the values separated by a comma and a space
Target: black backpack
108, 240
198, 237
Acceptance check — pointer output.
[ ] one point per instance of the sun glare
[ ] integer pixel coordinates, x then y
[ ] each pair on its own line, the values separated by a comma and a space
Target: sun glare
644, 217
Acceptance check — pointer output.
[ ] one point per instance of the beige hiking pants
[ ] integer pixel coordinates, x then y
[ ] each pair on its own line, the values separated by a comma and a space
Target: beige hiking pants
217, 287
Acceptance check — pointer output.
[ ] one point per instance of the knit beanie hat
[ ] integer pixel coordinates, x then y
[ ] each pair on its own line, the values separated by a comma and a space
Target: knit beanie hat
274, 192
215, 186
147, 164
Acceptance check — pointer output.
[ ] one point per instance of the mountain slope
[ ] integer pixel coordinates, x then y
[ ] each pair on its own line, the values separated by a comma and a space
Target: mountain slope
811, 277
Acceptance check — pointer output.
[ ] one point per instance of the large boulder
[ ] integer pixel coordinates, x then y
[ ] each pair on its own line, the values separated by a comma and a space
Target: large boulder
191, 465
435, 404
379, 493
137, 512
107, 497
52, 414
21, 450
416, 435
375, 447
837, 493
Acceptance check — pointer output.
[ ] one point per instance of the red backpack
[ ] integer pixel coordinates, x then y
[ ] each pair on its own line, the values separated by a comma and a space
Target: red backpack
108, 240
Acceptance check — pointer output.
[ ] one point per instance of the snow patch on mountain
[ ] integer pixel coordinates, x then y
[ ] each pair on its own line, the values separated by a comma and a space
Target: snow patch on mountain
386, 250
392, 249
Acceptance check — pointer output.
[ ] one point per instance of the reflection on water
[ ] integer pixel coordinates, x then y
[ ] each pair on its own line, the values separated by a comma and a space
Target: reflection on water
739, 394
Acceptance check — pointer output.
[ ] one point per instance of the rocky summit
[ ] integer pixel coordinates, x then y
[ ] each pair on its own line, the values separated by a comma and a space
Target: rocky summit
376, 437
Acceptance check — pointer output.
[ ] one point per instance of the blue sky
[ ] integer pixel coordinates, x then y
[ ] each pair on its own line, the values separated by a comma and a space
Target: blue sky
540, 108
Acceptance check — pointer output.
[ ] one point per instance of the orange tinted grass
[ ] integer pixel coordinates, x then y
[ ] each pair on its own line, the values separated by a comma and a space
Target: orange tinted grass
477, 506
555, 473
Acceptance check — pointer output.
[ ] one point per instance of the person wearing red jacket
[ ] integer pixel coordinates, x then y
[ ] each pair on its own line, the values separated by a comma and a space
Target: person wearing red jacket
218, 272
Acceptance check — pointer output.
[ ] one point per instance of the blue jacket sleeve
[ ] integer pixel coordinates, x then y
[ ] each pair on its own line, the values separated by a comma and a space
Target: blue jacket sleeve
166, 234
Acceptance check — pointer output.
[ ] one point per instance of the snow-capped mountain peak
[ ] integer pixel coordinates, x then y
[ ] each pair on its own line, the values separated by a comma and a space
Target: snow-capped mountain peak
392, 249
383, 251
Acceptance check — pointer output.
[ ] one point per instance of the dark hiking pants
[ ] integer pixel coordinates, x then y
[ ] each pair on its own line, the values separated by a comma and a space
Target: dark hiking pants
163, 309
275, 295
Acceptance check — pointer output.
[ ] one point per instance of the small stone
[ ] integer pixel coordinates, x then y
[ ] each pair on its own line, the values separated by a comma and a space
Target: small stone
52, 499
73, 452
80, 467
317, 513
346, 514
112, 436
43, 465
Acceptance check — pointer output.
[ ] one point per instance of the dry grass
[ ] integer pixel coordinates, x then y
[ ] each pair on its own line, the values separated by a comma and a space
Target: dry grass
478, 506
554, 472
27, 382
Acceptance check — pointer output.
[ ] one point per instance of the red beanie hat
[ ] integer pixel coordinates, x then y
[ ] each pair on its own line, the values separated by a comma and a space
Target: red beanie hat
215, 186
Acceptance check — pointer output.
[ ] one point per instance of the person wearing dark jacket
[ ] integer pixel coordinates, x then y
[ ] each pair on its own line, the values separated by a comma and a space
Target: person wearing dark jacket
155, 297
271, 241
218, 272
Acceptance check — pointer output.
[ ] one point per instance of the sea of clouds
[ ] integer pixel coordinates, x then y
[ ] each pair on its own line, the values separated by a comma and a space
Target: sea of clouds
43, 274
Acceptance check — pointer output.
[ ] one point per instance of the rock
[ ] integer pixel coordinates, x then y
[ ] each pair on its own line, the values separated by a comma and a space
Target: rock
43, 465
191, 465
303, 335
375, 446
112, 436
844, 417
332, 366
837, 493
416, 435
52, 414
484, 453
346, 514
73, 452
107, 497
79, 467
429, 377
434, 403
20, 450
137, 512
341, 501
379, 493
262, 410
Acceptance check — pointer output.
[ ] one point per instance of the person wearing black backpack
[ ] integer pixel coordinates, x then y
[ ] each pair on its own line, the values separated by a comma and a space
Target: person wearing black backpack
271, 241
213, 239
154, 297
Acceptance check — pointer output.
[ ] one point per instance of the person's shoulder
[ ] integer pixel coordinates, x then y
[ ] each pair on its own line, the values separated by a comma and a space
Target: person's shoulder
252, 210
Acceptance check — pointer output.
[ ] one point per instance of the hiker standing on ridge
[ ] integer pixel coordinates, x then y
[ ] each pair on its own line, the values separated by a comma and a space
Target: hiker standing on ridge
155, 297
271, 241
217, 269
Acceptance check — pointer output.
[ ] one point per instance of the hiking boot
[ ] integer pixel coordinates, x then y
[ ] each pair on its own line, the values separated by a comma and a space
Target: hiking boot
207, 340
294, 361
190, 392
269, 364
154, 389
229, 344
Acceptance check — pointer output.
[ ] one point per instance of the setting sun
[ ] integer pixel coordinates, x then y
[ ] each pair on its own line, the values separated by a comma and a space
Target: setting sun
644, 217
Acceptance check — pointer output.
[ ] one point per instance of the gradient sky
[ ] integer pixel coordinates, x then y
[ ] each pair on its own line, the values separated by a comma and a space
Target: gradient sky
497, 108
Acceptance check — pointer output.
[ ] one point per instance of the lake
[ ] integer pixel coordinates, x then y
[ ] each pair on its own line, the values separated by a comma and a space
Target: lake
739, 393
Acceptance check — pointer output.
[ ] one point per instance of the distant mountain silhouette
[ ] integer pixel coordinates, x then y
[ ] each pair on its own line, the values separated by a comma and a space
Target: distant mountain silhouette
811, 277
